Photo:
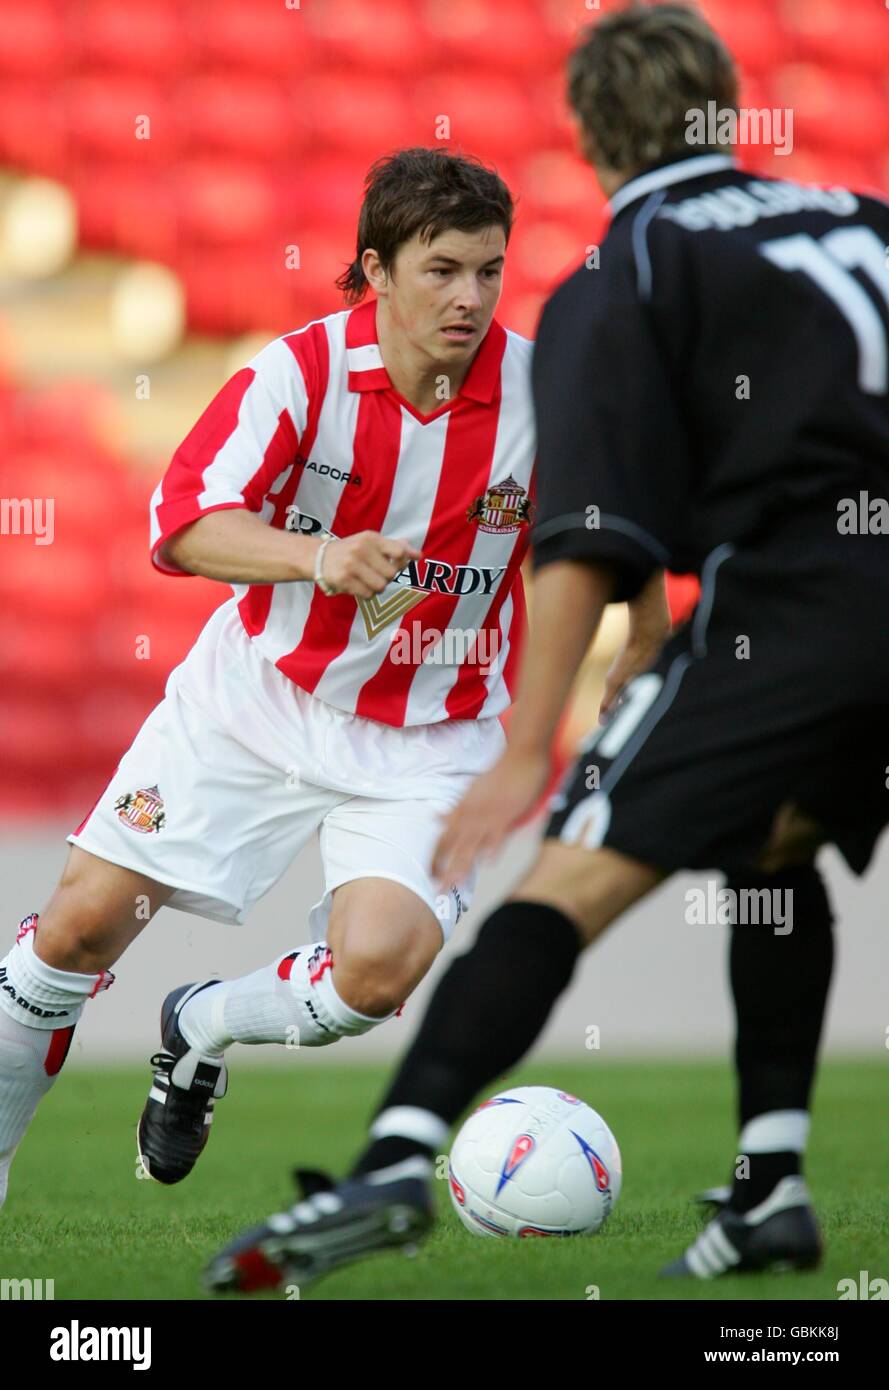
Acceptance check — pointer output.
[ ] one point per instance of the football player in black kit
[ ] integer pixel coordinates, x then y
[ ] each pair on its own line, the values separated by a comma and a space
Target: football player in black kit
711, 398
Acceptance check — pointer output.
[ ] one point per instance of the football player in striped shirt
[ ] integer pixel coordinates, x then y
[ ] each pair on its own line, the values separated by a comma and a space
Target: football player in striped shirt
365, 486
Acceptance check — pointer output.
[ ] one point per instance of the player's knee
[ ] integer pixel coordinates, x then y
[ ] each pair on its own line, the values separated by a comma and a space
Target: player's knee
374, 978
72, 934
591, 887
95, 912
793, 840
80, 929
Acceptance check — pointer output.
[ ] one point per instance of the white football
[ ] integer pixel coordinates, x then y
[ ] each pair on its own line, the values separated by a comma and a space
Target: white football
534, 1162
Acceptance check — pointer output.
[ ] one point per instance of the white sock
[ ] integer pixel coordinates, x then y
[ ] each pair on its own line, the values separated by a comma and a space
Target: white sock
778, 1131
292, 1001
411, 1122
30, 1060
39, 1006
38, 994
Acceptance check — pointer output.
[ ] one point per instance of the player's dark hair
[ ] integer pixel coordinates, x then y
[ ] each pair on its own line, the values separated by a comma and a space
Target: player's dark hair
635, 76
427, 192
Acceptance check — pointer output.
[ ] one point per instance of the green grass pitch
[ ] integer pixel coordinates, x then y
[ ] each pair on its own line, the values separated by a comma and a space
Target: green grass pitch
77, 1213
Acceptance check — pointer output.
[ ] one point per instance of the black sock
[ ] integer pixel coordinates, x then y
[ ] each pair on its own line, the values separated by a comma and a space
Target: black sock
780, 985
488, 1010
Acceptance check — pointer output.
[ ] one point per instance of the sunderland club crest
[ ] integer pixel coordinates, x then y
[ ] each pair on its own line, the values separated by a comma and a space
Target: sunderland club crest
503, 509
142, 810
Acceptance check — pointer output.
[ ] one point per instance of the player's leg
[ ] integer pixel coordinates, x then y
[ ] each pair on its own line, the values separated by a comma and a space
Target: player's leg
381, 940
487, 1010
779, 986
475, 1030
779, 981
60, 959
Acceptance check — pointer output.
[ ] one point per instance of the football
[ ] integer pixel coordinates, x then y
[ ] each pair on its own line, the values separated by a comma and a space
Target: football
534, 1161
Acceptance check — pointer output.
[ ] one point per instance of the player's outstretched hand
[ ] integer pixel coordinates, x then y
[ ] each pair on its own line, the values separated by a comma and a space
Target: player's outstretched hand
648, 631
494, 805
363, 564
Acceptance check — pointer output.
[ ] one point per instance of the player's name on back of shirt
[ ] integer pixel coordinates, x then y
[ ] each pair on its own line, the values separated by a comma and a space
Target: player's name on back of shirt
726, 208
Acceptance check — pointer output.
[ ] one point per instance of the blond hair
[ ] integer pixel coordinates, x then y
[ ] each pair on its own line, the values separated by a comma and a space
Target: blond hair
635, 76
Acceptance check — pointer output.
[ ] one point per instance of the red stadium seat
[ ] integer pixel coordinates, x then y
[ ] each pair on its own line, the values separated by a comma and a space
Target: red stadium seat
52, 654
107, 113
227, 292
42, 738
558, 183
752, 32
34, 132
834, 111
544, 252
108, 36
82, 502
487, 115
242, 115
481, 32
366, 113
62, 580
69, 411
33, 41
128, 209
346, 33
134, 651
840, 33
805, 165
325, 189
225, 203
260, 38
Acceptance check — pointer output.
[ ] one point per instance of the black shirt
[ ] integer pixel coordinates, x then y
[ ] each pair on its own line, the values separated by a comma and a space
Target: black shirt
726, 365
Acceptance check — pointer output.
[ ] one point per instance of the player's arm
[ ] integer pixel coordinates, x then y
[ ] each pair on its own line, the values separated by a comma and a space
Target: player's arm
206, 512
237, 547
570, 597
649, 628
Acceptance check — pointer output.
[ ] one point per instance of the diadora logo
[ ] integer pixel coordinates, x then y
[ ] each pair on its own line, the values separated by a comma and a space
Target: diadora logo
23, 1003
325, 470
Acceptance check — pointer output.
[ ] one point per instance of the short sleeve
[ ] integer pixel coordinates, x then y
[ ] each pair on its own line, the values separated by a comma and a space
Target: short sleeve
245, 439
613, 458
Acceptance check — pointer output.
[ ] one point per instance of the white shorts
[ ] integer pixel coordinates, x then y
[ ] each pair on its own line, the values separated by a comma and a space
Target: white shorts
235, 769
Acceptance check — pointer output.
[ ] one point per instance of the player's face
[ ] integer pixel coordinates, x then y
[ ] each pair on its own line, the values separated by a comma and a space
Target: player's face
442, 294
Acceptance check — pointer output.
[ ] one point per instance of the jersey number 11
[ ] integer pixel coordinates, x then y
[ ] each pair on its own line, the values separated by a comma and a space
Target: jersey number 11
828, 262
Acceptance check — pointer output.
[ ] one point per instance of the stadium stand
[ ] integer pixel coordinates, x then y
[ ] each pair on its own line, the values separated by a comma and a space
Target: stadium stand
214, 141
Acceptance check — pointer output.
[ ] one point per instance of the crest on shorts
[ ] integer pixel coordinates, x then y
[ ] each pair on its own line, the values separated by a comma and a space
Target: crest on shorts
142, 810
505, 507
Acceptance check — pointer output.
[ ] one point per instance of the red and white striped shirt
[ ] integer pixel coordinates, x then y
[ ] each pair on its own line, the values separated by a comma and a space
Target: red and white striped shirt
312, 436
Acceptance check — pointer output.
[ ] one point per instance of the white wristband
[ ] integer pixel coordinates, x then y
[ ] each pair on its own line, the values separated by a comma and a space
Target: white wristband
321, 582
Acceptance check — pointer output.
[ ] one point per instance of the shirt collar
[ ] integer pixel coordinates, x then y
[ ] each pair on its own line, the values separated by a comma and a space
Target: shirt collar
675, 172
367, 372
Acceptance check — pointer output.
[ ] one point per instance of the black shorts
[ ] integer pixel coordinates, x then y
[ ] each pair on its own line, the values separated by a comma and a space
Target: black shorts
775, 692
